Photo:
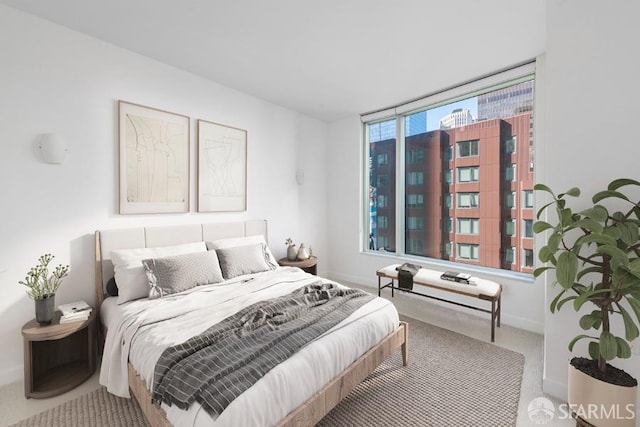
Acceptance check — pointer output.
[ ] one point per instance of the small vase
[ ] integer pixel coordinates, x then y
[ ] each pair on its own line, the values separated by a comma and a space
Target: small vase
45, 309
292, 254
302, 252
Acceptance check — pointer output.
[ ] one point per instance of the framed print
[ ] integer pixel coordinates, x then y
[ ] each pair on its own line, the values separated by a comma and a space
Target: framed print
154, 160
222, 168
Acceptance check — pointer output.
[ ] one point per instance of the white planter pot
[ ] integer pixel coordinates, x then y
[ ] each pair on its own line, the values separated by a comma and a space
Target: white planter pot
601, 403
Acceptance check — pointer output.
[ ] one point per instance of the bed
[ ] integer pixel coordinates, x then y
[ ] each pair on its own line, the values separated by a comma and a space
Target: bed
136, 334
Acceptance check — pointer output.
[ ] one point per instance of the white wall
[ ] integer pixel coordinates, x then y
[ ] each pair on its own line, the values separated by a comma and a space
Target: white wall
592, 106
56, 80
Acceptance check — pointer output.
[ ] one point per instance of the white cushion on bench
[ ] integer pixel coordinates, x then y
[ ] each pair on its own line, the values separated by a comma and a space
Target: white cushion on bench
432, 278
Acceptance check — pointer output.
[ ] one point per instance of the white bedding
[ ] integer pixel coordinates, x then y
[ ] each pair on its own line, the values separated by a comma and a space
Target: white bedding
139, 325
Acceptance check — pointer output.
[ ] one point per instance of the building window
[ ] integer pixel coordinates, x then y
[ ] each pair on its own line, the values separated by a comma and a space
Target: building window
510, 173
468, 200
469, 174
468, 148
527, 198
510, 227
437, 145
527, 258
383, 243
468, 226
415, 200
527, 226
510, 255
415, 156
468, 251
415, 178
510, 200
382, 222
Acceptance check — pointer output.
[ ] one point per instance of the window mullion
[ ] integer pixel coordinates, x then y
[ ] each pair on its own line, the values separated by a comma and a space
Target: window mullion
400, 187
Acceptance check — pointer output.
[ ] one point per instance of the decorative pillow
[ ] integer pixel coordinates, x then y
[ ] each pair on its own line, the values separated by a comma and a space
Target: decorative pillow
241, 260
112, 287
129, 272
179, 273
245, 241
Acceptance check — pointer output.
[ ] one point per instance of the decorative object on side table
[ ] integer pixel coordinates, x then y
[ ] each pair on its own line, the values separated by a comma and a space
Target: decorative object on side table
302, 253
292, 253
43, 286
596, 258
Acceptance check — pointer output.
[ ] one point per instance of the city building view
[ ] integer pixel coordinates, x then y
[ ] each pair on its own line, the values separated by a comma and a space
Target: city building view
468, 181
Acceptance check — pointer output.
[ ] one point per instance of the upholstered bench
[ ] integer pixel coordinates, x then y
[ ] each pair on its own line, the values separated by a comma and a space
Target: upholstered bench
485, 290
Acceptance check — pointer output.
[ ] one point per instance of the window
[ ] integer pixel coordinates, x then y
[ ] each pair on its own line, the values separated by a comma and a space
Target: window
468, 148
415, 156
510, 173
415, 178
469, 174
468, 200
510, 200
510, 227
382, 222
468, 225
528, 228
415, 223
510, 255
432, 143
527, 198
468, 251
415, 200
527, 257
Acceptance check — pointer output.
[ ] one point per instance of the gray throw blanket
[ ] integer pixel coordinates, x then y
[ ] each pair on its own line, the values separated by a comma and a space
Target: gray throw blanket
218, 365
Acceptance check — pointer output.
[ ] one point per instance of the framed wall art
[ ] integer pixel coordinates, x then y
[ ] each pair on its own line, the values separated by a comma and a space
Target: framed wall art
154, 160
222, 168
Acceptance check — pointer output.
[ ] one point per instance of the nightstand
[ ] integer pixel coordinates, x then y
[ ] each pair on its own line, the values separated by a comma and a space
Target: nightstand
309, 265
58, 357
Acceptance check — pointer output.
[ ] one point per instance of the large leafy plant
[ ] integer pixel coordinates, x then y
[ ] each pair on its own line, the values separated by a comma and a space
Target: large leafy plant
596, 257
39, 282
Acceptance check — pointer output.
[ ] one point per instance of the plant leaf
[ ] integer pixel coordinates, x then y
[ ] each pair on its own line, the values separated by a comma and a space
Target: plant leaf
573, 192
566, 300
617, 183
606, 194
540, 226
614, 252
630, 328
552, 306
542, 187
586, 322
612, 231
589, 224
594, 350
602, 239
538, 271
566, 217
608, 346
634, 267
624, 351
545, 254
539, 213
635, 305
566, 269
576, 339
597, 213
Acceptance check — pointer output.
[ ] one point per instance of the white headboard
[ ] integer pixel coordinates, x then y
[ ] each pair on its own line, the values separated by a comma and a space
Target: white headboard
148, 237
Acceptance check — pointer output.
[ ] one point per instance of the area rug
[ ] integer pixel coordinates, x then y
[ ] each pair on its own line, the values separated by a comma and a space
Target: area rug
451, 380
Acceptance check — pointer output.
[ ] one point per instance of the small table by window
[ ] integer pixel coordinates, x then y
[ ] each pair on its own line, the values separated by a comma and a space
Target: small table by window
309, 265
58, 357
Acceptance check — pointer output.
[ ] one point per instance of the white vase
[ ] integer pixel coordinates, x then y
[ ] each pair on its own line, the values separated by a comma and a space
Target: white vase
292, 253
302, 252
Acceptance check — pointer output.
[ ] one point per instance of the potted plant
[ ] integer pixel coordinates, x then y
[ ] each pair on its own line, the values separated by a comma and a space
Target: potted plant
595, 254
43, 286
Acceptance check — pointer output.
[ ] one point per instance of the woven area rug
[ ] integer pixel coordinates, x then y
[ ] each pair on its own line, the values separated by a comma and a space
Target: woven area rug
451, 380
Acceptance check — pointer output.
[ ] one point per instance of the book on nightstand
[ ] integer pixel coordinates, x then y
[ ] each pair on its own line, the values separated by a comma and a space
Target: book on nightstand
74, 312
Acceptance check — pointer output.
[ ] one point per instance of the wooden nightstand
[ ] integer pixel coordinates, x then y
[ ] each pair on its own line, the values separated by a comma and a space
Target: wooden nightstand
58, 357
309, 265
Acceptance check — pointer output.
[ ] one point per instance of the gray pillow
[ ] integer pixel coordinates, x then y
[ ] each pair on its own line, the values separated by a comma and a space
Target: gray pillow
173, 274
243, 260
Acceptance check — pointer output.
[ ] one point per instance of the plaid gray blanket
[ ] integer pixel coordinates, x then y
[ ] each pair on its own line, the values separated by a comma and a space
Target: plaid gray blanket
218, 365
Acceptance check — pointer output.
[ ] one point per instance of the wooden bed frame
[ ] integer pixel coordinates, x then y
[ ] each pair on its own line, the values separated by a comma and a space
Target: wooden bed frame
307, 414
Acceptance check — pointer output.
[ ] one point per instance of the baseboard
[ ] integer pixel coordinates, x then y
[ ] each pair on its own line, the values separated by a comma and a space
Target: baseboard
506, 318
555, 388
11, 375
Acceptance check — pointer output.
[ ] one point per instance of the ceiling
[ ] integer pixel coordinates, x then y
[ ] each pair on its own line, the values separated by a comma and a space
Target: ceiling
327, 59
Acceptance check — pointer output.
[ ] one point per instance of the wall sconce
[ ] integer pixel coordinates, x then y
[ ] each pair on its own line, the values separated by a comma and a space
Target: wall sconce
53, 148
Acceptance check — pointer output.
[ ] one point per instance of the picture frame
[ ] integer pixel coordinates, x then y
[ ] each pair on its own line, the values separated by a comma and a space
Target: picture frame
153, 159
222, 168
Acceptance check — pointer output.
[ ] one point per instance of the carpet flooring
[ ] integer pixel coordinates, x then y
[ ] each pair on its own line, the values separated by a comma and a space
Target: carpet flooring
451, 380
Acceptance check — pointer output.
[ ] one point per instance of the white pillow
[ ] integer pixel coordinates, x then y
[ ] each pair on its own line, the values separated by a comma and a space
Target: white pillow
129, 272
244, 241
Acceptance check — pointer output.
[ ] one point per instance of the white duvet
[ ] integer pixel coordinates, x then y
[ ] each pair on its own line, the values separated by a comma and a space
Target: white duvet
138, 333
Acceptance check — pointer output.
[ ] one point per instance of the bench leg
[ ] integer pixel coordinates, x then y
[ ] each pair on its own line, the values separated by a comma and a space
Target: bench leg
392, 286
499, 308
493, 320
378, 285
405, 346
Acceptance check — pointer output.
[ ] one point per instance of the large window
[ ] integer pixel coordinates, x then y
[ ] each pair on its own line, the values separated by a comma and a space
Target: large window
423, 164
